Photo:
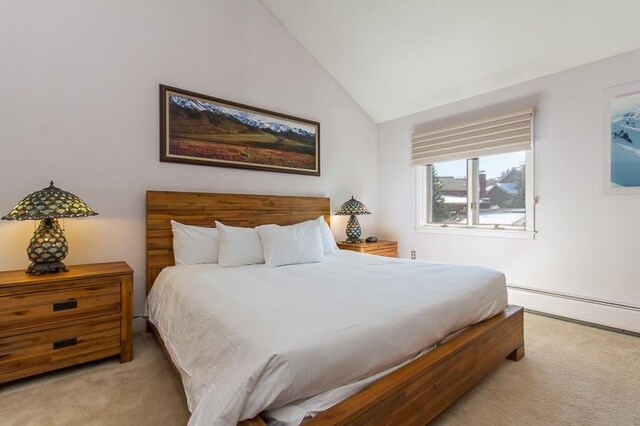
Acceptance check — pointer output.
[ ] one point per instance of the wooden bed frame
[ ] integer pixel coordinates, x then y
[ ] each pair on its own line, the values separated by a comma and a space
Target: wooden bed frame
411, 395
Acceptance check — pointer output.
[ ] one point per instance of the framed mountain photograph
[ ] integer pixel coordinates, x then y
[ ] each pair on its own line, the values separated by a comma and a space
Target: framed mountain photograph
623, 138
201, 129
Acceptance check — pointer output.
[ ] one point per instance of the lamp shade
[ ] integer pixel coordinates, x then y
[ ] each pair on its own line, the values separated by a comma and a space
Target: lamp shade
353, 207
50, 202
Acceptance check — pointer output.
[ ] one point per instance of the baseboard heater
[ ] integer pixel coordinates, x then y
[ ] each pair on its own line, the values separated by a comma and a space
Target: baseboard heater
576, 298
633, 308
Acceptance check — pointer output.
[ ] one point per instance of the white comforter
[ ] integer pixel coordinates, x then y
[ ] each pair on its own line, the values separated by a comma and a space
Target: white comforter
252, 338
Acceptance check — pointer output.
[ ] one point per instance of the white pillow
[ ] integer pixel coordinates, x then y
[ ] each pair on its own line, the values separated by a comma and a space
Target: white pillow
194, 244
239, 246
328, 241
289, 245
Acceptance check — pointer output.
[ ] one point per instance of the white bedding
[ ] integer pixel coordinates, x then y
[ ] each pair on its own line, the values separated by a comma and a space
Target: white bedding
253, 338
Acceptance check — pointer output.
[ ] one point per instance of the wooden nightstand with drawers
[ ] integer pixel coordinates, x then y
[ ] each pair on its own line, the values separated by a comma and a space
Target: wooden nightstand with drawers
57, 320
381, 248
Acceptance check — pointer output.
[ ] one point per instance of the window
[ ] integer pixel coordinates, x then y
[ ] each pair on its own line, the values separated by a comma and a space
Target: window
477, 178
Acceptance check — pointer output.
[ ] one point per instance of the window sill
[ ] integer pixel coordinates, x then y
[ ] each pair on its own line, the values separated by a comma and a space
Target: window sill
477, 232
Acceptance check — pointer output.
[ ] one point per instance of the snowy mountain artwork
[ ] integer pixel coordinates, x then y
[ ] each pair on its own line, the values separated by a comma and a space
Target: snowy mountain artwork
625, 141
200, 129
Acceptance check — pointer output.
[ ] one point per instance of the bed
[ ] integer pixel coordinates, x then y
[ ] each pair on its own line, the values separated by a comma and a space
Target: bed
407, 391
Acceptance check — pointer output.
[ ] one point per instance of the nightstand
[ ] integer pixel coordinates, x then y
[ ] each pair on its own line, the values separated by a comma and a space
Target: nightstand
381, 248
57, 320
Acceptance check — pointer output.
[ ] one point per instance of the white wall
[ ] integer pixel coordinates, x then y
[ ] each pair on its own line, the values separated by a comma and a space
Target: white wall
79, 83
588, 242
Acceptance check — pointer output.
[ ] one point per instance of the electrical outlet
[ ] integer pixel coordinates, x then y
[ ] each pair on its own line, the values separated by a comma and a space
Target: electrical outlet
413, 255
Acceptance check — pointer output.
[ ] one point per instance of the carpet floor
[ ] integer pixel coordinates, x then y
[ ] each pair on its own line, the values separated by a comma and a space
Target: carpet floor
571, 375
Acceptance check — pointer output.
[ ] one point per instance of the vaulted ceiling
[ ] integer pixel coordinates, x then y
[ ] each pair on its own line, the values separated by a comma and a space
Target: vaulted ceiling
398, 57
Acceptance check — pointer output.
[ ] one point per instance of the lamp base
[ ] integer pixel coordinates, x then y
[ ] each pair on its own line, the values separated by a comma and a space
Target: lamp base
47, 248
45, 268
353, 230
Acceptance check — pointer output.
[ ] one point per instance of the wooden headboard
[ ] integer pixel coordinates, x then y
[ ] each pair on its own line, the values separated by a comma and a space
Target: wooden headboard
202, 209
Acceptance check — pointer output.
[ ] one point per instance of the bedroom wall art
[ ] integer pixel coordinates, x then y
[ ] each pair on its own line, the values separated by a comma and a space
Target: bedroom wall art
625, 141
200, 129
621, 135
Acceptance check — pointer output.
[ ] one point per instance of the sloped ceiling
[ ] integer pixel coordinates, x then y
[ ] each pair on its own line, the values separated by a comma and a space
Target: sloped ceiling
398, 57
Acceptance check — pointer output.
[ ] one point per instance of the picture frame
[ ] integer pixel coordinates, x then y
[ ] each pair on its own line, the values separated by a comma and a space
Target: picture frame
621, 139
205, 130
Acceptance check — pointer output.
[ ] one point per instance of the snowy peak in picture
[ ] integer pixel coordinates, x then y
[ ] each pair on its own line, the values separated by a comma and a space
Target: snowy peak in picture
195, 105
631, 119
625, 129
276, 127
187, 103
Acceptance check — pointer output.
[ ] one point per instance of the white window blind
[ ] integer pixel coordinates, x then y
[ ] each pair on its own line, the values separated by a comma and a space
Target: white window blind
497, 135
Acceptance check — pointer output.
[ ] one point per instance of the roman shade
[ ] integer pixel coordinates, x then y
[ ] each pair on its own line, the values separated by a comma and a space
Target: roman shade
497, 135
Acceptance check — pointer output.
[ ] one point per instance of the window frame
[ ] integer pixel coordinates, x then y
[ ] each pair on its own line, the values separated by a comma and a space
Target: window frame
472, 227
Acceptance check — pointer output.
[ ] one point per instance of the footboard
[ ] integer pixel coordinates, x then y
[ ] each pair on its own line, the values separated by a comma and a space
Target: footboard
419, 391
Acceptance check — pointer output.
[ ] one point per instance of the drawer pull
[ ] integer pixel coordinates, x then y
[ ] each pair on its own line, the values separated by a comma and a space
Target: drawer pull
65, 343
63, 306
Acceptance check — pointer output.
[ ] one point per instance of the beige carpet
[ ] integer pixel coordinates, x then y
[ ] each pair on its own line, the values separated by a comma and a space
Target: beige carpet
571, 375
